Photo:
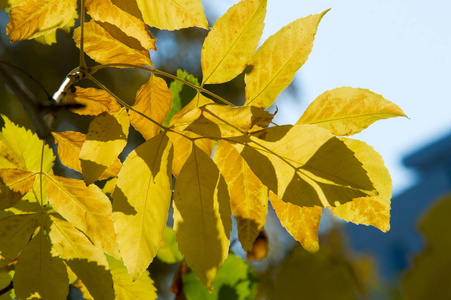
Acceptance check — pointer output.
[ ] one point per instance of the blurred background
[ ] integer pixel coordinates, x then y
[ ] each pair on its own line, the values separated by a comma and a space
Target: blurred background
399, 49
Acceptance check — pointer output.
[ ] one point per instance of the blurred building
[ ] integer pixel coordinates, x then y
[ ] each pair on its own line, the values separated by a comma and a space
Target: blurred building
395, 249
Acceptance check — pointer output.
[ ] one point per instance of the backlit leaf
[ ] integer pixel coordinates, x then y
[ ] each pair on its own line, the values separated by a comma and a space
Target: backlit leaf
202, 219
86, 207
198, 101
169, 250
173, 14
33, 18
106, 138
300, 221
375, 210
248, 196
15, 232
154, 100
347, 111
50, 38
141, 202
276, 62
305, 165
39, 275
96, 101
101, 46
107, 11
232, 41
14, 184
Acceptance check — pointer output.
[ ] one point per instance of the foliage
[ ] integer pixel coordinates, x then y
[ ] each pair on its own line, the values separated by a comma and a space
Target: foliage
57, 230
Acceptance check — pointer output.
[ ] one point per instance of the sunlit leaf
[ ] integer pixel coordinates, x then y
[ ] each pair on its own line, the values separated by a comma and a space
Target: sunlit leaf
232, 41
141, 202
50, 38
202, 219
101, 46
107, 11
248, 196
15, 232
86, 207
106, 138
95, 101
39, 275
375, 210
33, 18
14, 184
346, 110
173, 14
301, 222
154, 100
169, 250
276, 62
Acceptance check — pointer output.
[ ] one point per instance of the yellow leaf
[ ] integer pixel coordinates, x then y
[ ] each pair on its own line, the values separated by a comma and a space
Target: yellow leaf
15, 232
50, 38
33, 18
86, 207
375, 210
232, 41
305, 165
106, 138
14, 184
248, 196
173, 14
154, 100
101, 46
85, 260
107, 11
141, 202
39, 275
125, 288
276, 62
198, 101
69, 147
347, 111
95, 101
202, 219
301, 222
219, 121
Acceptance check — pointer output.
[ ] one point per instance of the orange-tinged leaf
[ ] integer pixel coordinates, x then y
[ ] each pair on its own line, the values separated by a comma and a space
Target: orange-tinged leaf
198, 101
14, 184
86, 207
248, 196
173, 14
375, 210
154, 100
276, 62
218, 121
202, 219
39, 275
301, 222
232, 41
347, 111
106, 138
107, 11
15, 232
305, 165
141, 202
95, 101
101, 46
33, 18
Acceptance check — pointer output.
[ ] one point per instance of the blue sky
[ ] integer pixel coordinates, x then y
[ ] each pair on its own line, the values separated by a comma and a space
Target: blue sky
397, 48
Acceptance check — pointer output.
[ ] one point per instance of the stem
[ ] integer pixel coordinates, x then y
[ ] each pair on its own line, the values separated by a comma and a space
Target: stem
41, 172
168, 75
82, 25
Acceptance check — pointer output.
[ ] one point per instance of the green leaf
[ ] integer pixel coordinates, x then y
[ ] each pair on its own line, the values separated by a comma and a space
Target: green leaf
169, 252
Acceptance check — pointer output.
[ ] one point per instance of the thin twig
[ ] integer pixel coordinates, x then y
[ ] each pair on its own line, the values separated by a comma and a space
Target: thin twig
82, 29
41, 172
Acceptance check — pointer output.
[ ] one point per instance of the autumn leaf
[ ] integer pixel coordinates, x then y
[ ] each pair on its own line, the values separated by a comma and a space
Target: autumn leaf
14, 184
232, 41
141, 202
171, 15
95, 101
276, 62
169, 250
101, 46
33, 18
347, 111
202, 216
39, 274
106, 138
248, 196
153, 100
